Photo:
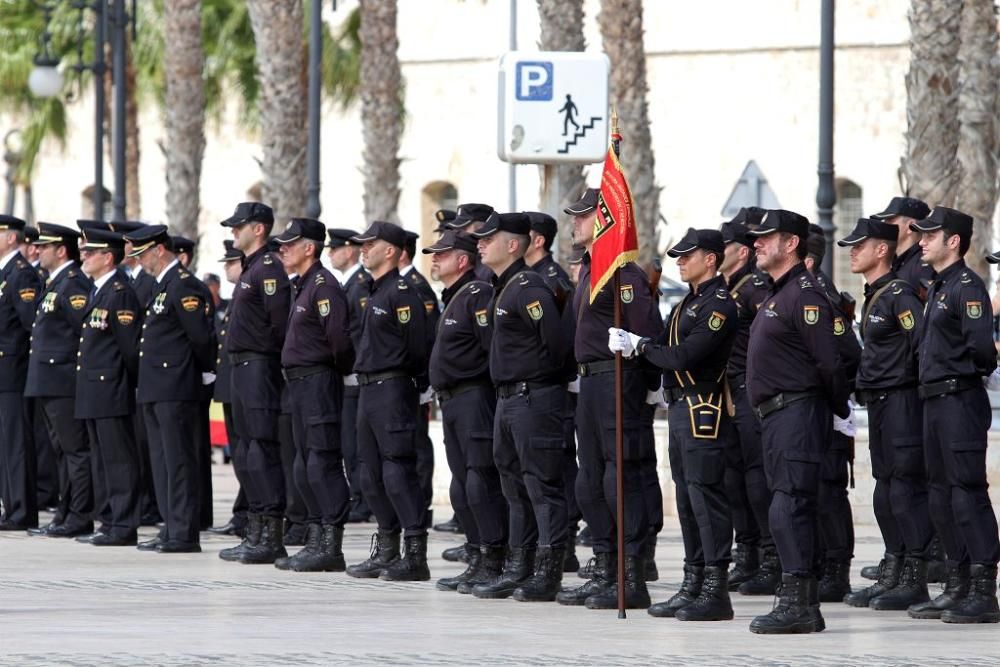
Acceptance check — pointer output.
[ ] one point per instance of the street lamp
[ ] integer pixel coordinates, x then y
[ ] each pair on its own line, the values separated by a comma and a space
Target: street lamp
45, 79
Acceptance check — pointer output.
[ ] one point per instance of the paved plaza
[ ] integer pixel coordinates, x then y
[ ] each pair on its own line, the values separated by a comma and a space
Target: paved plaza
63, 603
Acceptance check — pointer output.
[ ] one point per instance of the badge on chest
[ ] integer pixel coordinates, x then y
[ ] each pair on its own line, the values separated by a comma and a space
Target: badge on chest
159, 303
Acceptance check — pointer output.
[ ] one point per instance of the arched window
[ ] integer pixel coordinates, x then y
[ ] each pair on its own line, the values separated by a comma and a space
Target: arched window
434, 196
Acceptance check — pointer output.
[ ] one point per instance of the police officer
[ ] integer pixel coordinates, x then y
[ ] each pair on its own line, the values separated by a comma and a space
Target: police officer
459, 373
55, 341
391, 365
176, 351
909, 263
794, 400
956, 351
528, 367
20, 289
756, 569
693, 352
469, 218
258, 320
106, 376
887, 383
316, 355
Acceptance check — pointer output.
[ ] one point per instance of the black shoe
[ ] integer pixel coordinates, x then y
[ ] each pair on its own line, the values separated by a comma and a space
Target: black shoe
603, 566
413, 565
11, 526
835, 583
457, 554
490, 568
71, 530
911, 588
177, 547
694, 577
150, 520
980, 605
384, 552
746, 561
518, 569
270, 546
544, 584
768, 576
471, 572
327, 555
890, 569
583, 538
228, 528
42, 531
313, 532
872, 571
636, 593
295, 534
150, 545
955, 590
570, 562
791, 615
85, 538
452, 525
114, 540
713, 603
251, 537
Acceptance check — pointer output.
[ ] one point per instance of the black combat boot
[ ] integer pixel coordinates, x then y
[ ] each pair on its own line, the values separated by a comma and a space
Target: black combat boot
955, 590
587, 571
649, 555
270, 547
636, 593
327, 555
791, 615
413, 565
518, 569
980, 606
490, 568
545, 584
812, 599
604, 567
873, 572
690, 589
888, 578
767, 578
746, 562
911, 589
313, 533
459, 554
713, 603
471, 572
384, 552
836, 580
296, 534
571, 562
937, 568
251, 537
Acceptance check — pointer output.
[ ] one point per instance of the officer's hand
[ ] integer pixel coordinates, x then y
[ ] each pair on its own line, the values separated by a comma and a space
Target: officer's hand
207, 378
351, 380
846, 425
622, 341
427, 396
992, 380
656, 397
574, 386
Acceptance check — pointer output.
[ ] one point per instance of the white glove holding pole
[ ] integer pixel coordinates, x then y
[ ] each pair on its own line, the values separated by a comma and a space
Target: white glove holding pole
427, 396
351, 380
574, 386
992, 380
207, 378
846, 426
622, 341
655, 397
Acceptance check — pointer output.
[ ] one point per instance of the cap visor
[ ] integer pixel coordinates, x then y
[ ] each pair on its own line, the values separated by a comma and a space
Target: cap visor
484, 232
761, 231
993, 258
579, 208
285, 237
681, 249
925, 226
885, 215
851, 239
430, 250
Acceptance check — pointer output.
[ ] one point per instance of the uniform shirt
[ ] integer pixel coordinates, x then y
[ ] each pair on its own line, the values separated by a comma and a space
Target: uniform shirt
357, 286
848, 347
749, 289
394, 333
20, 290
108, 365
557, 280
461, 350
55, 335
911, 267
640, 313
178, 340
427, 295
222, 392
318, 329
700, 331
892, 320
143, 284
261, 303
792, 347
957, 338
529, 340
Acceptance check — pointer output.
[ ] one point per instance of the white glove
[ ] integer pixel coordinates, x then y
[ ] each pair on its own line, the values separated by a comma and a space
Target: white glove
846, 426
207, 378
351, 380
622, 341
655, 397
427, 396
992, 380
574, 386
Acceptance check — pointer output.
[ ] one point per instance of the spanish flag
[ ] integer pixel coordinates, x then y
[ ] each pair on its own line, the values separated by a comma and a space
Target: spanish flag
615, 240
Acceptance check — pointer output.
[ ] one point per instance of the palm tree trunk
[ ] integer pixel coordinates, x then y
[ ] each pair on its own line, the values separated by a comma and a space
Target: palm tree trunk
183, 63
929, 168
562, 30
978, 135
281, 69
381, 108
621, 31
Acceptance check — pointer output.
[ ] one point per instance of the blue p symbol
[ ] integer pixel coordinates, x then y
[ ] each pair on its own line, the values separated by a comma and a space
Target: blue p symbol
534, 81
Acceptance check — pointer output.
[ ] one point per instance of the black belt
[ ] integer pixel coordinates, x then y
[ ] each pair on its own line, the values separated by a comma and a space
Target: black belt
241, 357
949, 386
461, 388
365, 379
508, 389
700, 388
867, 396
782, 401
601, 367
299, 372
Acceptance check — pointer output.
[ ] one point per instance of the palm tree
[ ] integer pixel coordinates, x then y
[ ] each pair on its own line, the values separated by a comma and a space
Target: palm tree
381, 108
622, 35
562, 30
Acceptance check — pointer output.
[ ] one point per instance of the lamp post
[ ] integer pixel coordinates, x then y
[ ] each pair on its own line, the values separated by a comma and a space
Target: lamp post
826, 194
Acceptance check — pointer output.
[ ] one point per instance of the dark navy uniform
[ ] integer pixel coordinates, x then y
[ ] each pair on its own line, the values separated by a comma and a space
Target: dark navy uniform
910, 267
357, 288
222, 393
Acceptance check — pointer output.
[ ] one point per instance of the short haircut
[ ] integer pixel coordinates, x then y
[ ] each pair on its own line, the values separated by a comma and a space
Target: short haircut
801, 251
117, 255
963, 245
549, 238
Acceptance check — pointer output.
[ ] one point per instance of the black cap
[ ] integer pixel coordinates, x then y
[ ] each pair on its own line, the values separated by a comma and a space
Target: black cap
469, 213
515, 223
576, 256
85, 224
147, 237
735, 232
780, 220
993, 257
443, 217
909, 207
182, 244
706, 239
231, 253
52, 233
870, 228
544, 224
411, 243
251, 211
452, 239
585, 204
816, 242
126, 226
387, 231
749, 216
30, 233
303, 228
9, 223
948, 219
95, 238
341, 237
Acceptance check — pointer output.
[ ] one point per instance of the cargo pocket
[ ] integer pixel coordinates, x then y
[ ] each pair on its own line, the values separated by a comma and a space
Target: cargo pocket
323, 432
704, 464
908, 458
802, 470
400, 440
479, 453
545, 457
969, 468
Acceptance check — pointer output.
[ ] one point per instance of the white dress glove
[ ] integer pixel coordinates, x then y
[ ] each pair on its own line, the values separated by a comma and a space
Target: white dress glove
427, 396
846, 426
351, 380
207, 378
574, 386
992, 380
655, 397
622, 341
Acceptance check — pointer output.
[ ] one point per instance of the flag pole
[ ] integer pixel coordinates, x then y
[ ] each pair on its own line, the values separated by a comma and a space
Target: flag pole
619, 410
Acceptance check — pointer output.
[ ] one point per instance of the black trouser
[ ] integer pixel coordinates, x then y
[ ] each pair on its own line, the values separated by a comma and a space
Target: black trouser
76, 494
115, 453
387, 455
147, 490
835, 520
296, 510
895, 439
597, 489
205, 510
794, 440
17, 453
528, 451
240, 504
750, 521
651, 491
476, 495
698, 469
955, 427
173, 441
256, 393
316, 402
425, 454
48, 460
349, 443
571, 469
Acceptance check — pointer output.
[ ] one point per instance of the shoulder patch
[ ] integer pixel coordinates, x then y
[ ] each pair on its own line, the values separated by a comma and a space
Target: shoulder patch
403, 314
838, 326
401, 284
716, 320
974, 309
268, 260
190, 303
552, 271
810, 314
78, 301
27, 294
323, 306
184, 275
125, 317
481, 318
270, 286
966, 278
721, 294
429, 306
906, 320
627, 293
534, 310
21, 264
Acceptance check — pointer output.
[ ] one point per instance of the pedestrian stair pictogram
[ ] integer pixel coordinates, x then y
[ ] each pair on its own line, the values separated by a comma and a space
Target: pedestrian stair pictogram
579, 134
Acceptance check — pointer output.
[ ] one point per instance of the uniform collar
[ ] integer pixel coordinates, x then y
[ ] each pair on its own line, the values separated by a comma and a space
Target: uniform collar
905, 257
542, 263
792, 273
254, 256
405, 270
880, 283
62, 267
5, 260
951, 270
462, 281
313, 269
103, 280
502, 279
346, 276
165, 271
713, 283
391, 275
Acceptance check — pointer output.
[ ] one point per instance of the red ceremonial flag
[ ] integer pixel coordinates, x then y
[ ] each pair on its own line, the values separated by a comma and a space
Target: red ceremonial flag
615, 240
